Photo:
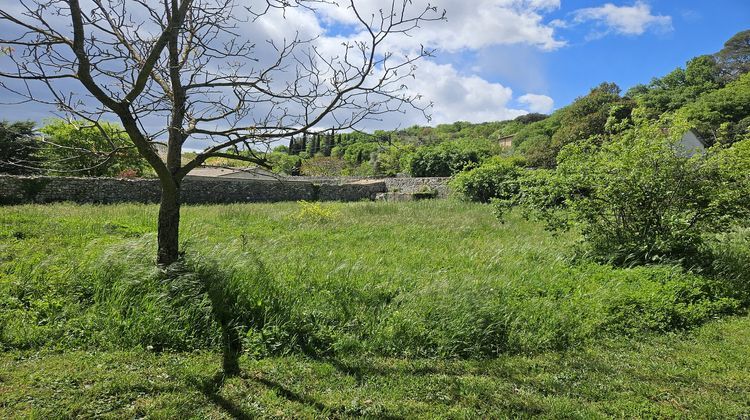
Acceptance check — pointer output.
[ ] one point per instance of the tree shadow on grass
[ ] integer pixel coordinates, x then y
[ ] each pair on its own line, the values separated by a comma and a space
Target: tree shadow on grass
211, 389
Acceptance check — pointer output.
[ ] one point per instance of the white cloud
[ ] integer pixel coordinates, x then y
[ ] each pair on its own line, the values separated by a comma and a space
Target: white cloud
626, 20
470, 98
456, 95
537, 103
483, 23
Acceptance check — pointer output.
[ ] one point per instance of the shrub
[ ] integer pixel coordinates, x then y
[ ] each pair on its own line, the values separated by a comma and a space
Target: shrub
425, 192
497, 178
638, 200
322, 166
315, 212
18, 148
83, 149
282, 163
441, 161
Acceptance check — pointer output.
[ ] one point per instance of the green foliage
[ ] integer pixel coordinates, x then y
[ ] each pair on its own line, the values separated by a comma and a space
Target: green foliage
722, 115
322, 166
588, 116
678, 88
734, 58
535, 141
638, 200
75, 147
699, 375
530, 118
358, 153
18, 148
314, 212
388, 153
449, 158
496, 178
282, 163
600, 113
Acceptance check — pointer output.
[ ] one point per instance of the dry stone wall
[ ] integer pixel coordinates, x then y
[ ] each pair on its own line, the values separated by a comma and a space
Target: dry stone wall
41, 189
398, 184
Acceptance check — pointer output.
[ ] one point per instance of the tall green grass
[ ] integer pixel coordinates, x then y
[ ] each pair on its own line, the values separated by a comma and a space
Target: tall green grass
429, 279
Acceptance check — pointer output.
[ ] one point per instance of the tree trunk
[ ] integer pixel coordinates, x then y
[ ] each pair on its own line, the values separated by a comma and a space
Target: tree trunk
231, 350
169, 225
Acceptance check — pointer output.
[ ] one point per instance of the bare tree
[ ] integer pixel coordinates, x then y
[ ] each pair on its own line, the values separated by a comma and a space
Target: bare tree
185, 67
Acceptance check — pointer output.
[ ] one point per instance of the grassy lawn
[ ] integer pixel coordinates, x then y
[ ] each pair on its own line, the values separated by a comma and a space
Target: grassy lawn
705, 374
381, 309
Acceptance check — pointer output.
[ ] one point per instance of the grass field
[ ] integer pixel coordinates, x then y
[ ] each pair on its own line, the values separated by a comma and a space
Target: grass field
704, 374
380, 309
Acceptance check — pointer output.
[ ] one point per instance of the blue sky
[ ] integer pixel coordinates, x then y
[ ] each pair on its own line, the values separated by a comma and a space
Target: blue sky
539, 55
698, 27
498, 59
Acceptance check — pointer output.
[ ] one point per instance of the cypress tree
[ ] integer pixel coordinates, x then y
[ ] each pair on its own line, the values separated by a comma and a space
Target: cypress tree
315, 145
328, 145
311, 146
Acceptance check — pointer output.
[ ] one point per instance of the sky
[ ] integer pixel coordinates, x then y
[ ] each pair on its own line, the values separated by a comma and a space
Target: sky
497, 59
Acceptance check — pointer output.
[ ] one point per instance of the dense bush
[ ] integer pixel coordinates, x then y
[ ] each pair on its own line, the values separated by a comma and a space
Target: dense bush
18, 148
496, 178
722, 115
639, 199
80, 148
534, 141
322, 166
282, 163
449, 158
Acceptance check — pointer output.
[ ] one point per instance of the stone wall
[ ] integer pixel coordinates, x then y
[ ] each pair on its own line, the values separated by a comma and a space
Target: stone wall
40, 189
412, 185
400, 184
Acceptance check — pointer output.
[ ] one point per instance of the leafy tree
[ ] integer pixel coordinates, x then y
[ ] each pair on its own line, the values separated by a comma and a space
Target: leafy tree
722, 115
587, 116
328, 145
449, 158
678, 88
393, 160
283, 163
637, 200
534, 141
18, 148
531, 118
599, 113
734, 58
359, 152
184, 62
188, 74
84, 149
